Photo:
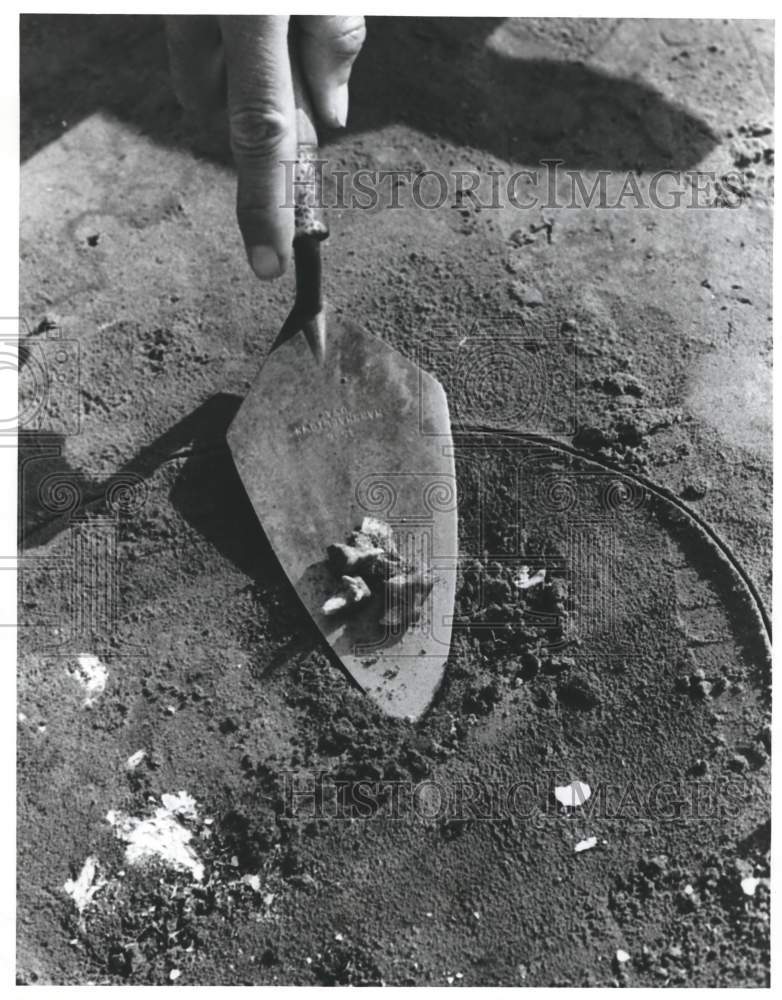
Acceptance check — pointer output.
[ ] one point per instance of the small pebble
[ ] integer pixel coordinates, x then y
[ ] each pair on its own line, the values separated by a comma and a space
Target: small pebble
738, 763
530, 665
526, 295
696, 489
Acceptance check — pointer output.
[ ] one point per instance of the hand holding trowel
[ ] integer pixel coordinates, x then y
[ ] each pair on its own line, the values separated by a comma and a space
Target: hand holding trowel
344, 448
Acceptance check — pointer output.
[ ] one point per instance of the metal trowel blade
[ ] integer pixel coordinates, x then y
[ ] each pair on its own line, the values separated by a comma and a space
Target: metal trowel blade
319, 447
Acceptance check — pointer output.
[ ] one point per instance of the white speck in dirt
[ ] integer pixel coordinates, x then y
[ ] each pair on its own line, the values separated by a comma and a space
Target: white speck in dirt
749, 885
174, 975
135, 759
622, 956
524, 581
586, 845
85, 885
572, 795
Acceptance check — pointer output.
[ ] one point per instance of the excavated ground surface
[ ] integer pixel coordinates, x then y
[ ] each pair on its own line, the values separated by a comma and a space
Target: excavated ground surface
641, 336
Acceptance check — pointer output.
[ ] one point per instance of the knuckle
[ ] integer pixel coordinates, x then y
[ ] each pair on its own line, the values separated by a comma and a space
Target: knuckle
347, 42
257, 131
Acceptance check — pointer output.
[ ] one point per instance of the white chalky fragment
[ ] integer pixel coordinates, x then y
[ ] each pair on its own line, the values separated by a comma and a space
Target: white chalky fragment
524, 581
181, 803
85, 885
586, 845
572, 795
622, 956
92, 675
161, 836
135, 759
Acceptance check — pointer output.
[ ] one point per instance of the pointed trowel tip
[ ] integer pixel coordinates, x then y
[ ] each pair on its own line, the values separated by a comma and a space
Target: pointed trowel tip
315, 332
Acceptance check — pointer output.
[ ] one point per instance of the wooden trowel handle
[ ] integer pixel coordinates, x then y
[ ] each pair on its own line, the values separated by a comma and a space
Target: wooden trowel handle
308, 206
308, 313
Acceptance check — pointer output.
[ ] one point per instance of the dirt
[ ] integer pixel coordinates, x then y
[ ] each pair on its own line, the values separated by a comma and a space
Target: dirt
617, 363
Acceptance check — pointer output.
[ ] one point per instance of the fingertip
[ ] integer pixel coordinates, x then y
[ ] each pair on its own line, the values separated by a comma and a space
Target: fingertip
265, 262
331, 105
339, 105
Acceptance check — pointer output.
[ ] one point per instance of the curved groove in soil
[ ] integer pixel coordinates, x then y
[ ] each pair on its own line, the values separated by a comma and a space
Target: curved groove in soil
661, 492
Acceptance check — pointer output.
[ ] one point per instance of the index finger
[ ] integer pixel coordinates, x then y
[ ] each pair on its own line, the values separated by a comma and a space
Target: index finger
262, 123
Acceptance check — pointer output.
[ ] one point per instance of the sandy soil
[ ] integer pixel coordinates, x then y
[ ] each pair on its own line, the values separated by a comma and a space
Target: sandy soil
162, 651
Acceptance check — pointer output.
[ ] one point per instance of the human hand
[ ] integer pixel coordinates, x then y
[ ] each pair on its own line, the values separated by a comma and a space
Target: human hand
242, 65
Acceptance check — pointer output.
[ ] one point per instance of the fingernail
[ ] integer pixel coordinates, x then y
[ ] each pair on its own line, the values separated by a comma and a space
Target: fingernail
339, 105
264, 261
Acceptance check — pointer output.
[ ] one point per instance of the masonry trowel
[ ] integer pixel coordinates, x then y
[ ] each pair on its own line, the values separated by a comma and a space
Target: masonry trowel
339, 427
